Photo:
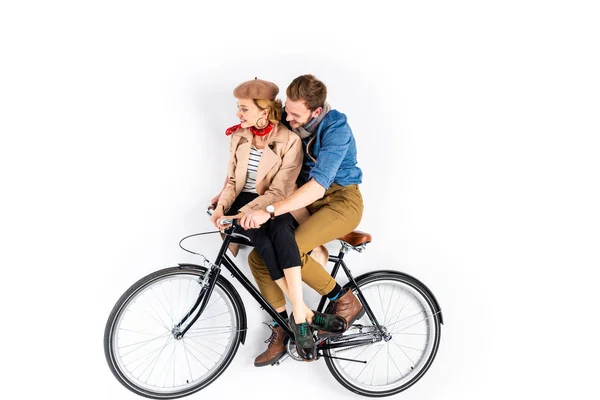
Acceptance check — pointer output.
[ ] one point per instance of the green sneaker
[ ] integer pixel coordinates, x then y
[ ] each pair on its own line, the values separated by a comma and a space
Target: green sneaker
305, 343
328, 322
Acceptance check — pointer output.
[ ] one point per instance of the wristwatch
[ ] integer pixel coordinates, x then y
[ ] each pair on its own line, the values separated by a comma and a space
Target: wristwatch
271, 210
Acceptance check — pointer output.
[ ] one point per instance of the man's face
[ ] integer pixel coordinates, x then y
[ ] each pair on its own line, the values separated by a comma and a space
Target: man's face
298, 114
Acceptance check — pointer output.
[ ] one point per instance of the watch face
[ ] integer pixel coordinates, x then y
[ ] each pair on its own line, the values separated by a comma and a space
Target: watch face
270, 208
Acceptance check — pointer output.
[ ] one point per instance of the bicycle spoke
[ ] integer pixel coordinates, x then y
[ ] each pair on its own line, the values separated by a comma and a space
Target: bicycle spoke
139, 332
401, 309
178, 298
205, 346
395, 305
202, 353
149, 355
408, 347
398, 368
162, 305
187, 359
389, 304
143, 343
387, 364
380, 299
403, 352
374, 368
186, 345
215, 343
426, 318
166, 369
405, 318
157, 318
197, 333
154, 360
368, 364
170, 301
212, 316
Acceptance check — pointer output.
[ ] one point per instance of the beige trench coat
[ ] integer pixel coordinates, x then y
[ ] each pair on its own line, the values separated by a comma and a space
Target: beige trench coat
278, 170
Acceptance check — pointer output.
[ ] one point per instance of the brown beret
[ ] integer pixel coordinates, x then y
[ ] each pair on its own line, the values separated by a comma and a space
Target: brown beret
256, 89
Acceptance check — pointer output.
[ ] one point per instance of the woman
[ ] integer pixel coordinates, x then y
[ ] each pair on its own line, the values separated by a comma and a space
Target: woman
264, 164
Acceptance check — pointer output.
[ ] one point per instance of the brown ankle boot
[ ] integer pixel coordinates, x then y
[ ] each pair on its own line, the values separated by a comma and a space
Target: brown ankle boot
275, 350
346, 306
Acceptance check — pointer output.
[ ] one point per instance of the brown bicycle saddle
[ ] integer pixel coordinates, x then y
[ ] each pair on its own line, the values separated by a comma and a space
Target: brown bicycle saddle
356, 238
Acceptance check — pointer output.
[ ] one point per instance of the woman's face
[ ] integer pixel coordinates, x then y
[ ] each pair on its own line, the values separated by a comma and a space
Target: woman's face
249, 113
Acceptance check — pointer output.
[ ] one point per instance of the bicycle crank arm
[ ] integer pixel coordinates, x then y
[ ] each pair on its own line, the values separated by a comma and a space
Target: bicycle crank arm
282, 359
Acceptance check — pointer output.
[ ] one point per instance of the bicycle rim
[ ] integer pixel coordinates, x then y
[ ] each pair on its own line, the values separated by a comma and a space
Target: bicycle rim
144, 351
394, 365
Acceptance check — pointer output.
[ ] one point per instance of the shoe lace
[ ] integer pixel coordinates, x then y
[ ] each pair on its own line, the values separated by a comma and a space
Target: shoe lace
319, 319
303, 329
273, 336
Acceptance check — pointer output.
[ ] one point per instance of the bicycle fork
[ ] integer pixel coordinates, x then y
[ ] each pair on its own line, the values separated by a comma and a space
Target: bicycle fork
207, 285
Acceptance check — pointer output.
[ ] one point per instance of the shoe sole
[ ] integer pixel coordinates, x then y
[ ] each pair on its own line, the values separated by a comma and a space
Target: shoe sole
272, 362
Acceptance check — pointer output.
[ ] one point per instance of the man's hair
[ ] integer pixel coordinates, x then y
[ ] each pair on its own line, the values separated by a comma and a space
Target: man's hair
308, 89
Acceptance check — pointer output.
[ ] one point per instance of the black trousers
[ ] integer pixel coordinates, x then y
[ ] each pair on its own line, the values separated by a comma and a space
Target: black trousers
275, 240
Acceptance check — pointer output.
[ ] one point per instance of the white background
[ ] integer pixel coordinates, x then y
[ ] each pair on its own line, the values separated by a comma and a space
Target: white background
477, 129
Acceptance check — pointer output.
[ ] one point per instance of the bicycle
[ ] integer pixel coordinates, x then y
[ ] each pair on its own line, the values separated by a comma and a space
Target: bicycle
176, 330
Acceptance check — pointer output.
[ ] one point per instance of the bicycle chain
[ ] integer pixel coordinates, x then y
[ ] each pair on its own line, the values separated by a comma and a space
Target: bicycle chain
353, 347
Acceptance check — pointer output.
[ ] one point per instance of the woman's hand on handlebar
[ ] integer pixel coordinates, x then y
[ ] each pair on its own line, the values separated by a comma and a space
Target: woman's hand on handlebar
216, 214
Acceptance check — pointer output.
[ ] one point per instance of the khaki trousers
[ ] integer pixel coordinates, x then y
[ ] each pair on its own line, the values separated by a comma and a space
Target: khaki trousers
336, 214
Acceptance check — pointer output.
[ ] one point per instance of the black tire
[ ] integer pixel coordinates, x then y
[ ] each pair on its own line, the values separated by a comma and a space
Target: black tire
431, 336
145, 288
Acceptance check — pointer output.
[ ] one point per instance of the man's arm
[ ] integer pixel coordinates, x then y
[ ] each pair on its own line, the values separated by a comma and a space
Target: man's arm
306, 195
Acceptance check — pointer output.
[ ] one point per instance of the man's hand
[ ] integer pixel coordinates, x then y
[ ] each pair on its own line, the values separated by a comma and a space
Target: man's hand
223, 227
254, 219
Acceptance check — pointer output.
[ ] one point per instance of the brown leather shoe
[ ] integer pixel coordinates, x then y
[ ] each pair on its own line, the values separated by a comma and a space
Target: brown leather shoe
346, 306
275, 350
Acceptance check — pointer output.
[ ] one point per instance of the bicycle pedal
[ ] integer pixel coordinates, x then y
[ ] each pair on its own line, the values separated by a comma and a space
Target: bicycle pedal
282, 359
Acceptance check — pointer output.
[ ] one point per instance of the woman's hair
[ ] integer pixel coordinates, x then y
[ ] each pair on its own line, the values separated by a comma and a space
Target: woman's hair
274, 106
308, 89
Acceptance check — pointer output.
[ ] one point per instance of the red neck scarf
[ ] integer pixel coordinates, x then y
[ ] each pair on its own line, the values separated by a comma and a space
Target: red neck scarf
255, 131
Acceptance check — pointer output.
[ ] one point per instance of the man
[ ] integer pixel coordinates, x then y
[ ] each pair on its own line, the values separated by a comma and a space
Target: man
328, 187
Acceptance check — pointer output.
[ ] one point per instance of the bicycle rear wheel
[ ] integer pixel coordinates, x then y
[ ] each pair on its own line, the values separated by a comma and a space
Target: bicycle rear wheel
140, 345
405, 310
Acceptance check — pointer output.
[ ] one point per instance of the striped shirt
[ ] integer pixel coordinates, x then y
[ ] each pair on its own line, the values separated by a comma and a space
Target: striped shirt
253, 161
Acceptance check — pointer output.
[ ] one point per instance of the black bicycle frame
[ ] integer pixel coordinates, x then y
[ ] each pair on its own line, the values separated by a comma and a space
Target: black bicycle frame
339, 262
211, 280
223, 259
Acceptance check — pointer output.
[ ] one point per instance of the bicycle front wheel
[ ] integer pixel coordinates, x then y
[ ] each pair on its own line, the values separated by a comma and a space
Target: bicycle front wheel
140, 342
405, 311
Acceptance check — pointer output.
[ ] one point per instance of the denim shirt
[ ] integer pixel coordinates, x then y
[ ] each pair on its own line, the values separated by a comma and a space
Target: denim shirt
334, 149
